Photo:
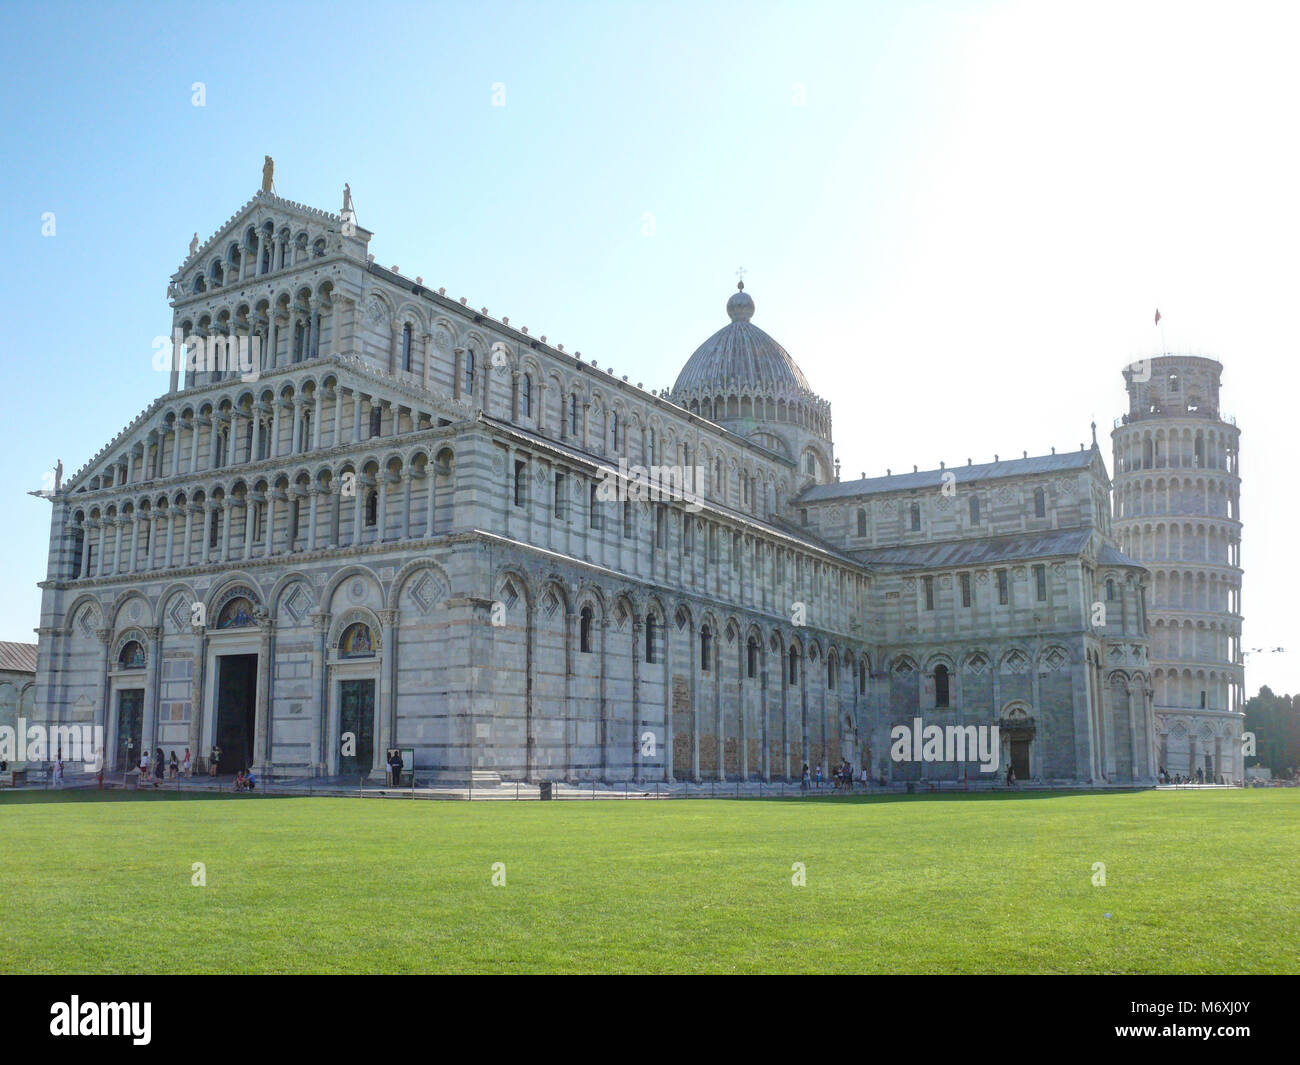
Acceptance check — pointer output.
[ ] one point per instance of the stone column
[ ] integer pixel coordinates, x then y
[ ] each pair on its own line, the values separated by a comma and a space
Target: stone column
638, 627
227, 513
105, 637
386, 711
274, 449
315, 493
262, 720
320, 630
695, 703
152, 688
296, 431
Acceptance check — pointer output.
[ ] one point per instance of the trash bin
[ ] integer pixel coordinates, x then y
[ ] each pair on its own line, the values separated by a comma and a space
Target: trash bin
545, 790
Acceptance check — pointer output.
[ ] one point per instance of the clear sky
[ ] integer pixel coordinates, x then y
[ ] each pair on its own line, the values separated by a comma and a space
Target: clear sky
959, 218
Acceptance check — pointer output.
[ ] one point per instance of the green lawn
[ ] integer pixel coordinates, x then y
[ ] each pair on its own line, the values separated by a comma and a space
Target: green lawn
1195, 882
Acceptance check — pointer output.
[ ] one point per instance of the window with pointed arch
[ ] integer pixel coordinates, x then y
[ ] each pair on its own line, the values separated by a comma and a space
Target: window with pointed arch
132, 655
862, 521
914, 512
372, 509
406, 347
793, 668
1040, 503
573, 414
525, 396
356, 641
832, 674
651, 638
706, 648
584, 630
862, 678
751, 658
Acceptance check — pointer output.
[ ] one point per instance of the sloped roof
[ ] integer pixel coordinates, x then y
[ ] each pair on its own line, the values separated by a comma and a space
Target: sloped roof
1069, 460
983, 551
18, 657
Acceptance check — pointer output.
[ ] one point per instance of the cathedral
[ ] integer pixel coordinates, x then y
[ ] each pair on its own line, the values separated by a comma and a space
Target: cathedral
367, 515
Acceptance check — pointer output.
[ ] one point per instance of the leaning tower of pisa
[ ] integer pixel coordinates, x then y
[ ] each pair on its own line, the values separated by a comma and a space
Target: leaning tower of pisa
1177, 510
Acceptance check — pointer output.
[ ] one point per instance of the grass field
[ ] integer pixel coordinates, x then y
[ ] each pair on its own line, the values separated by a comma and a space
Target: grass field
1195, 882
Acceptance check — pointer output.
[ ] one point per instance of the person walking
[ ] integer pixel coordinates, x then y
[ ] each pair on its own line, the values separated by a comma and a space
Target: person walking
214, 759
187, 767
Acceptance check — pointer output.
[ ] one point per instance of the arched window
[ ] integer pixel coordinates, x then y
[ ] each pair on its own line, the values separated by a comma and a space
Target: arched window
651, 638
372, 508
1040, 503
650, 445
832, 674
915, 511
974, 510
132, 656
706, 648
584, 630
468, 382
406, 347
793, 667
521, 481
376, 421
613, 430
356, 641
862, 678
941, 687
810, 464
573, 414
1110, 589
862, 522
525, 396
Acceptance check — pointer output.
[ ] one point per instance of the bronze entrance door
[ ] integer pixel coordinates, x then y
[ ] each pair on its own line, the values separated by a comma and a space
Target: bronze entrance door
236, 711
130, 727
356, 727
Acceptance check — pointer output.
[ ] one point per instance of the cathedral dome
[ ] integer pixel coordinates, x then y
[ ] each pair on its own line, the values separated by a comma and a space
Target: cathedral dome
740, 356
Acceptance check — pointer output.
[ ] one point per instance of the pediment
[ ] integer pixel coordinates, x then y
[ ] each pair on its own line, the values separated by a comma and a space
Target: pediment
313, 234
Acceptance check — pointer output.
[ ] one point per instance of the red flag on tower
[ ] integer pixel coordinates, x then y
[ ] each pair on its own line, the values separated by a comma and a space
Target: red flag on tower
1157, 316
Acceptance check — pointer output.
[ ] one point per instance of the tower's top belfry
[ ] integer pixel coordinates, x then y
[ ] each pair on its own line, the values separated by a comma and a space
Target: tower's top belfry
1173, 385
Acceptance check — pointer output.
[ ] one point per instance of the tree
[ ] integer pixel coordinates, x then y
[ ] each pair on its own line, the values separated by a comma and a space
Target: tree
1275, 721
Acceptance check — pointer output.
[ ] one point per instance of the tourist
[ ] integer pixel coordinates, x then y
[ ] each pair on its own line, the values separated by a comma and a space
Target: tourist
803, 778
58, 773
239, 781
144, 762
160, 764
214, 759
173, 767
817, 776
395, 767
250, 781
187, 768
